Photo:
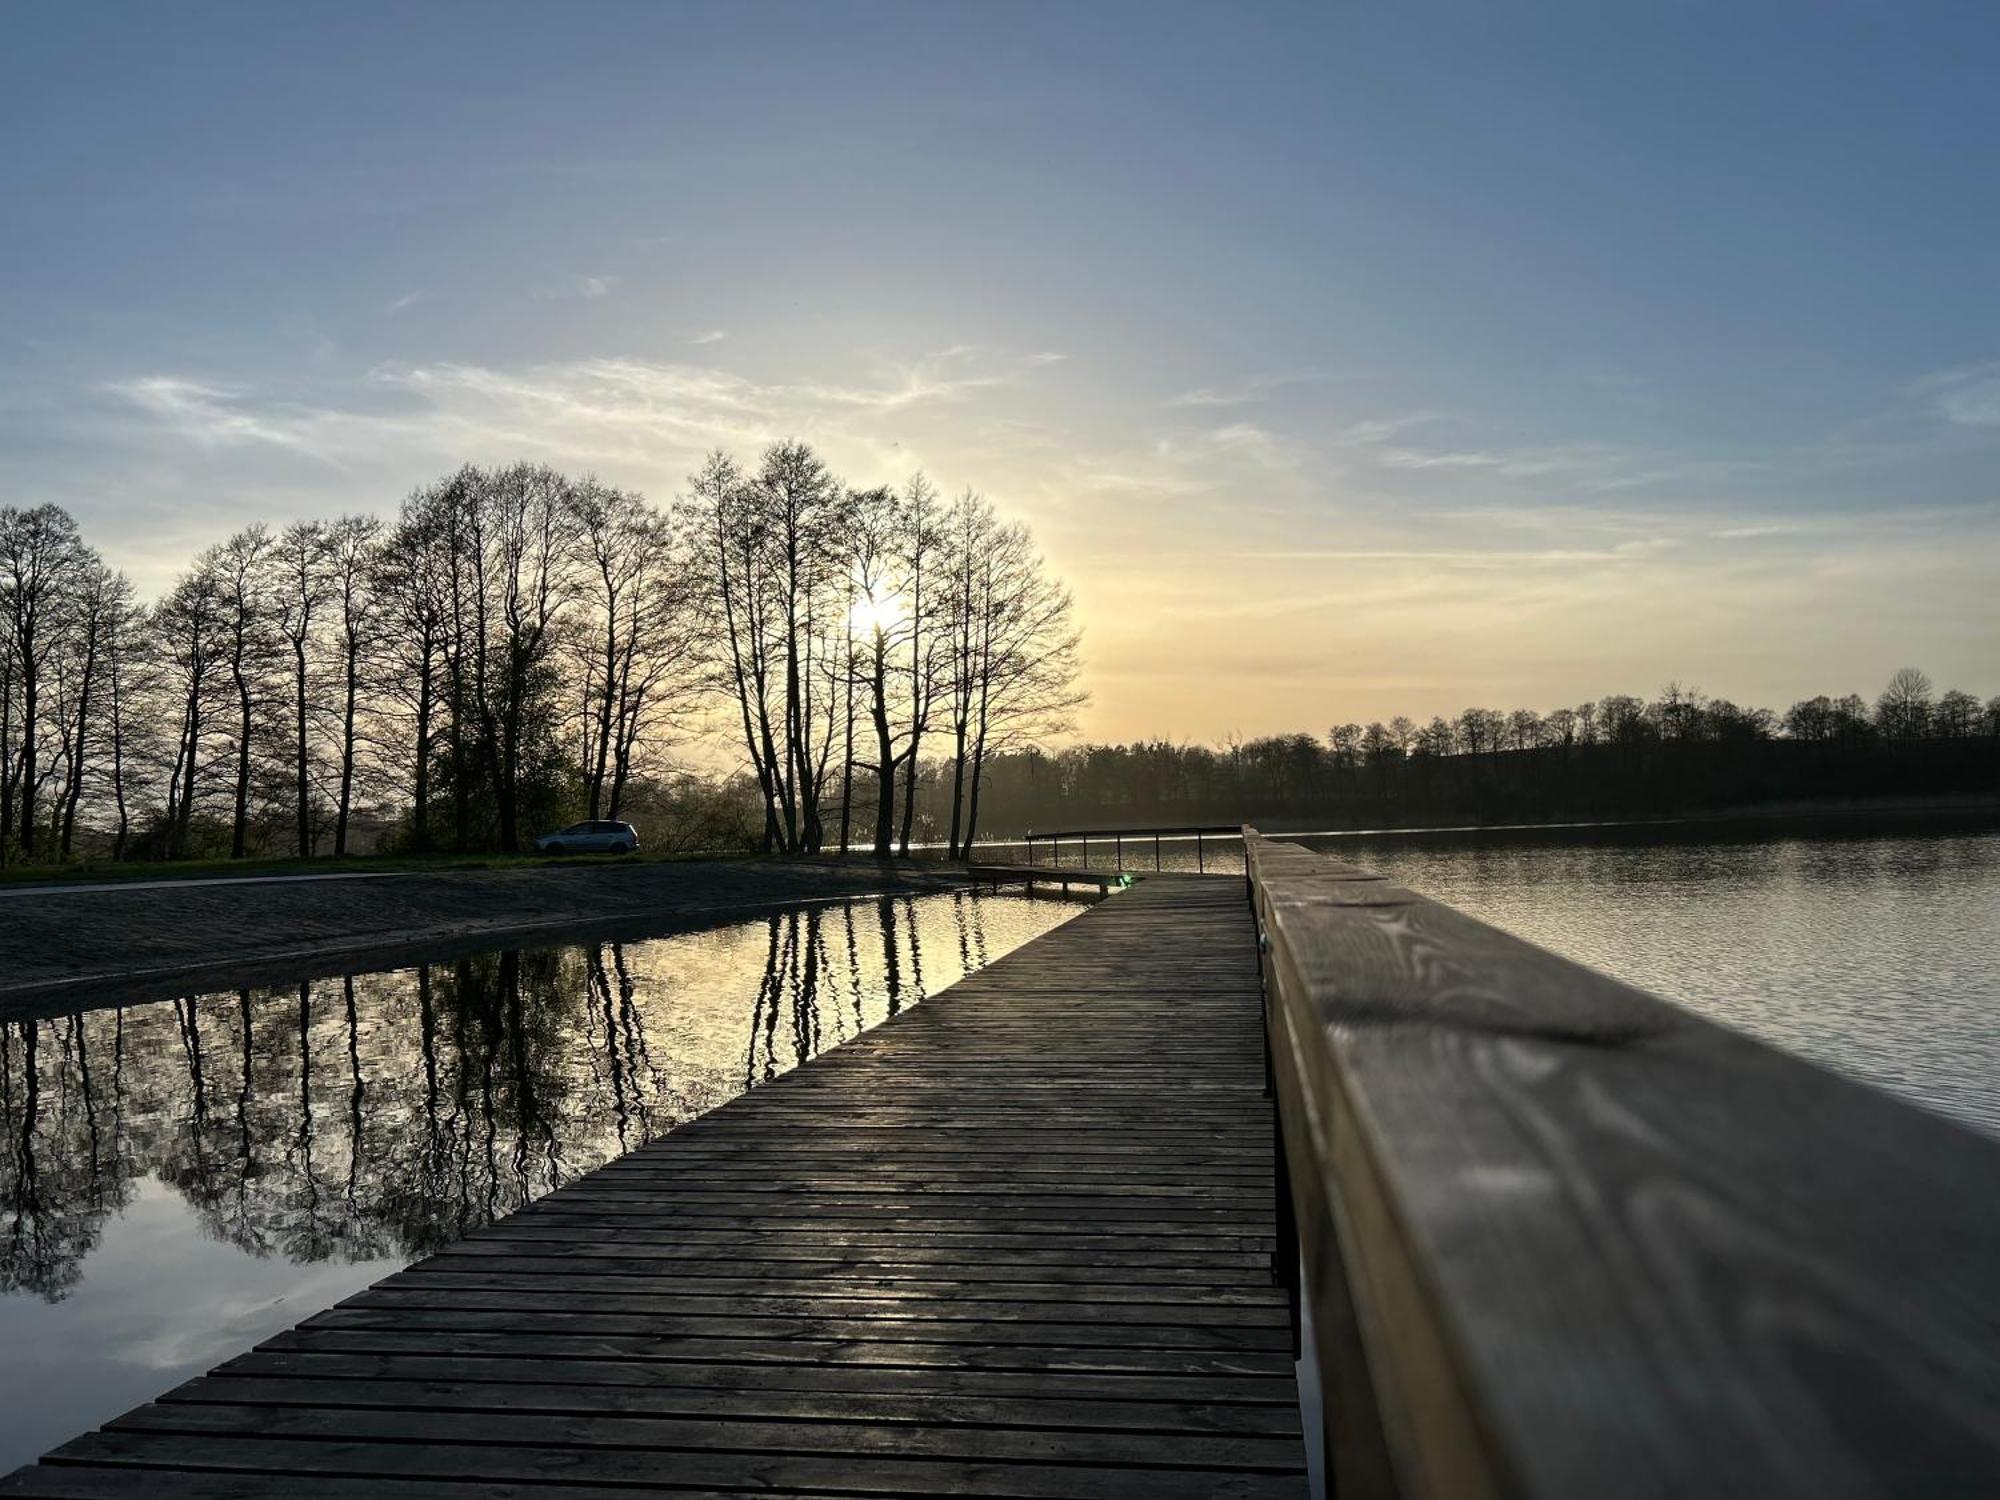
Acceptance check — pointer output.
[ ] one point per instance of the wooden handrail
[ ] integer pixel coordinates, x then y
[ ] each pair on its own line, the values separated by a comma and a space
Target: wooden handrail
1562, 1238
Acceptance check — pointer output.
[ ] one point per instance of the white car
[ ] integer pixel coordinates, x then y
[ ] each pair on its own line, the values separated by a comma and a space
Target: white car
590, 838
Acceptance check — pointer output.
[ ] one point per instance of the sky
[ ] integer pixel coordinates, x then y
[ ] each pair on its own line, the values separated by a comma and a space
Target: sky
1347, 359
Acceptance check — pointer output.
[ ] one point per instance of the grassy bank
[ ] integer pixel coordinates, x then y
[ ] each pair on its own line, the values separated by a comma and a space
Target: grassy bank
95, 870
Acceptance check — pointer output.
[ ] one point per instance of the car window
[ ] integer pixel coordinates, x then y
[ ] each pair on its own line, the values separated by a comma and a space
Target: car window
577, 828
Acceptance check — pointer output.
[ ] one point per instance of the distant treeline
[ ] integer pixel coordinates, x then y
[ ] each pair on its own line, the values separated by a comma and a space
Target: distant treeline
518, 648
1616, 757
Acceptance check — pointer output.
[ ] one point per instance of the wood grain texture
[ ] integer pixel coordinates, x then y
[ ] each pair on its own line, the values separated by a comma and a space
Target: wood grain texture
1015, 1242
1572, 1240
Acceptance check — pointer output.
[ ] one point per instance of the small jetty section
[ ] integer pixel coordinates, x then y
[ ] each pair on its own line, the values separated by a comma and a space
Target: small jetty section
1017, 1241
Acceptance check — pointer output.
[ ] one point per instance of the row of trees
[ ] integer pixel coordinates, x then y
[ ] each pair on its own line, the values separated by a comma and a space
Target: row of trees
1907, 709
1618, 756
518, 647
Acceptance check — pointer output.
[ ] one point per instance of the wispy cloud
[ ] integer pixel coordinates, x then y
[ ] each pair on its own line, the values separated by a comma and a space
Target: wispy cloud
217, 416
405, 302
643, 415
583, 288
707, 336
1968, 396
1244, 392
1631, 551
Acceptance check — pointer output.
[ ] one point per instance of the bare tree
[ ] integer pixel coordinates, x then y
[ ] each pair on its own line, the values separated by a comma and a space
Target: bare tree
1903, 712
102, 601
413, 592
878, 615
239, 568
523, 527
188, 627
300, 587
1027, 657
638, 648
40, 554
920, 534
801, 507
1957, 715
351, 544
723, 518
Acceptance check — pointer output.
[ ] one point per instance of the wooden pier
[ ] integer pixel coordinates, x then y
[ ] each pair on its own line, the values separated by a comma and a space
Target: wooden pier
1017, 1241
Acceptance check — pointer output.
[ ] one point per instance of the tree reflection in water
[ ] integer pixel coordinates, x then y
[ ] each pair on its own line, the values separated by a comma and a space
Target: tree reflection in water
381, 1116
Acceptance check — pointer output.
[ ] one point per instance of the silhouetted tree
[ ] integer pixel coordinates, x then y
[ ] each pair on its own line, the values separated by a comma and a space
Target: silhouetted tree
1903, 712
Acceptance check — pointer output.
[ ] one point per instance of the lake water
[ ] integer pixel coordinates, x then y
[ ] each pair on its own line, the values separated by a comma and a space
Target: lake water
179, 1180
1870, 946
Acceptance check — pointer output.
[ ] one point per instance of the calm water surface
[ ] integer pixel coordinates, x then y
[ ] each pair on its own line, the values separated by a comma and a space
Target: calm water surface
1872, 949
179, 1180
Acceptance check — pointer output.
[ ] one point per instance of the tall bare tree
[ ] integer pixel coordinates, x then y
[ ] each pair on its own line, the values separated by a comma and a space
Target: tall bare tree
413, 592
351, 541
40, 556
525, 574
188, 626
1027, 657
240, 572
301, 585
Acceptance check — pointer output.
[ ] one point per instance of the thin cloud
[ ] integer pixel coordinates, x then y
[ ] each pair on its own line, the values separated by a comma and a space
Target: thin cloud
405, 302
583, 288
1967, 397
643, 416
215, 416
708, 336
1243, 392
1624, 552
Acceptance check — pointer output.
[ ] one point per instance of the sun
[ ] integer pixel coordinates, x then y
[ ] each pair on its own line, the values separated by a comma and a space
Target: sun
875, 614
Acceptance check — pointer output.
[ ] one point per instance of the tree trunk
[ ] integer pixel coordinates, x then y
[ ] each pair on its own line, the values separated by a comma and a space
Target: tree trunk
420, 810
885, 756
192, 720
347, 746
118, 762
304, 762
74, 792
30, 708
6, 764
847, 748
239, 836
959, 846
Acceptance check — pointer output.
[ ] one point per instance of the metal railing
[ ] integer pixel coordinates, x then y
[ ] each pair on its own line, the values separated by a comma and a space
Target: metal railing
1120, 836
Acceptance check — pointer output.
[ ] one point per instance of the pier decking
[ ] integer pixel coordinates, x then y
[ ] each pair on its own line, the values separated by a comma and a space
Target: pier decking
1017, 1241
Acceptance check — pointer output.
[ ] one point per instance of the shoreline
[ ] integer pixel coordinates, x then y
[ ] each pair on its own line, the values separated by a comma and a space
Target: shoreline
160, 940
1786, 812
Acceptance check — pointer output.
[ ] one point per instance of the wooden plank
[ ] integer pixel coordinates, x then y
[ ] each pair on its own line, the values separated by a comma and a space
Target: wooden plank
1017, 1241
1564, 1238
278, 1460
